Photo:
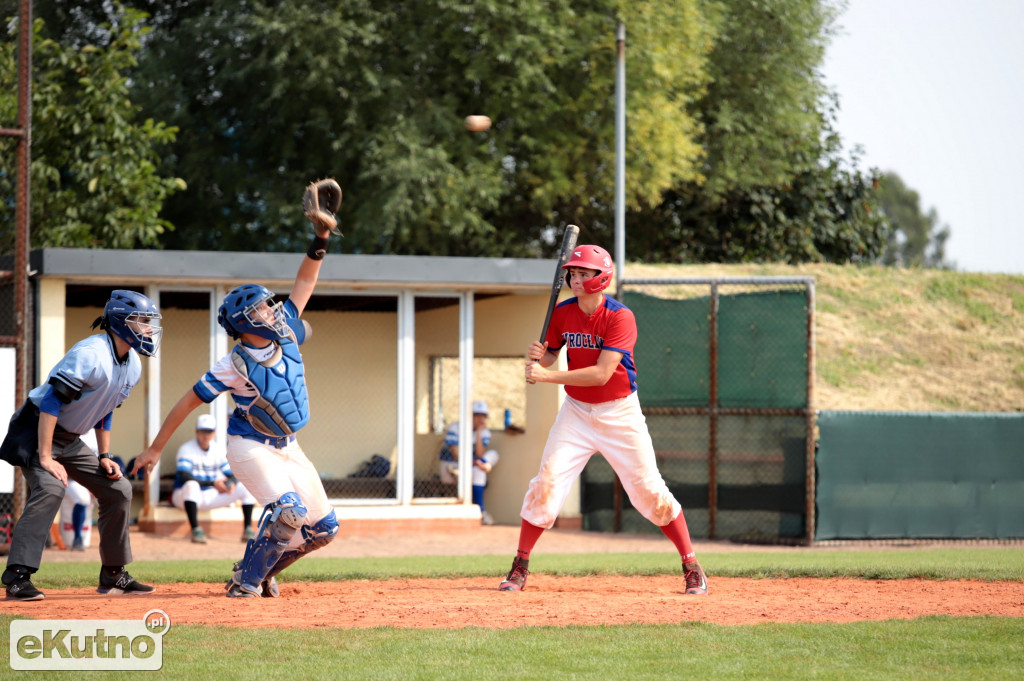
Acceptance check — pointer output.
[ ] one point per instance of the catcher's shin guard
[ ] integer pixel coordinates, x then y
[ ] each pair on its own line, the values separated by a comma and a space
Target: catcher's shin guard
277, 526
317, 537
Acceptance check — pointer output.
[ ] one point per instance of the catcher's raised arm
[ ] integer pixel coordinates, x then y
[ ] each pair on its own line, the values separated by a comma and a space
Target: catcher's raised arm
319, 203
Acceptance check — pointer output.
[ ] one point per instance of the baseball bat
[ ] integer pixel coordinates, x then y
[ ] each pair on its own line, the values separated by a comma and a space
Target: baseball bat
572, 232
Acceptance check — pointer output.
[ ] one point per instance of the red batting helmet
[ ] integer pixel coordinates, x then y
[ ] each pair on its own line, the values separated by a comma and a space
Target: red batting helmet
592, 258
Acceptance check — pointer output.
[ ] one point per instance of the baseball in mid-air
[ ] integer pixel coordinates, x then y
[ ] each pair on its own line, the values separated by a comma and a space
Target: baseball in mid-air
478, 123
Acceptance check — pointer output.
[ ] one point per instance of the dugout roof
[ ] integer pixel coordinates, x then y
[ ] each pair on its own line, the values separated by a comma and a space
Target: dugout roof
141, 267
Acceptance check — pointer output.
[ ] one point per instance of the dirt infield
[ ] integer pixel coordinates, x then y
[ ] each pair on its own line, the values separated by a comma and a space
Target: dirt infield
548, 601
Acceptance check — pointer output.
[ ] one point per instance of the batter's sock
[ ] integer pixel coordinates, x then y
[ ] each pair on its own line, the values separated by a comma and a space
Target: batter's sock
78, 519
680, 536
192, 511
247, 514
528, 536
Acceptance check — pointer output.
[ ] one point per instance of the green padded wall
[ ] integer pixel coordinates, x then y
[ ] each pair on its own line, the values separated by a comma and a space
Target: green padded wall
920, 475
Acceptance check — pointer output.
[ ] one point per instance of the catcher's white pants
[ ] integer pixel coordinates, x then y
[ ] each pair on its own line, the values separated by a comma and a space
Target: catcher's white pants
617, 429
208, 497
269, 472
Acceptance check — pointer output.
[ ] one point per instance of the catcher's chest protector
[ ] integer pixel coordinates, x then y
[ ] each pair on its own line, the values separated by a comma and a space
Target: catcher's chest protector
281, 406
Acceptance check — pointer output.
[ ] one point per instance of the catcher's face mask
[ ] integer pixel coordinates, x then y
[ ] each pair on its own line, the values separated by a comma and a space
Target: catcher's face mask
267, 314
267, 320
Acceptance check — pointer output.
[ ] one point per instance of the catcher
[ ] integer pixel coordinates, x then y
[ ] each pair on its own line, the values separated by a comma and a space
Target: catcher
265, 375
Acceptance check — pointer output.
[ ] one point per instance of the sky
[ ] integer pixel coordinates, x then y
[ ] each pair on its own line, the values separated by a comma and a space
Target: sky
933, 90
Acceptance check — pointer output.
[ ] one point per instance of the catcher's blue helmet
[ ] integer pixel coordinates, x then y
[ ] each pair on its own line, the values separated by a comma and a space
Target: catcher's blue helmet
134, 318
238, 315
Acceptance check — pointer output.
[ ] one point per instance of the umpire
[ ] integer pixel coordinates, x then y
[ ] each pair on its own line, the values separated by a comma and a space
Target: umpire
81, 392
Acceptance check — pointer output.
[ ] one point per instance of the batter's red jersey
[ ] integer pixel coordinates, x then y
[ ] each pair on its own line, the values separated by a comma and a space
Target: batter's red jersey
611, 327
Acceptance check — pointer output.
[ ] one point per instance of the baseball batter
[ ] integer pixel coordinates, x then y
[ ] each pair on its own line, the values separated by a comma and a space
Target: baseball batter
601, 412
265, 376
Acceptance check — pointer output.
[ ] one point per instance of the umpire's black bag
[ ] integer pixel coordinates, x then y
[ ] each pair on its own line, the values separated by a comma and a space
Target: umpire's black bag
22, 442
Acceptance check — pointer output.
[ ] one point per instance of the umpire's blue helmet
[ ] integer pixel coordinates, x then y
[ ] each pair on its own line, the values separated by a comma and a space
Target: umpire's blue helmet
134, 318
238, 314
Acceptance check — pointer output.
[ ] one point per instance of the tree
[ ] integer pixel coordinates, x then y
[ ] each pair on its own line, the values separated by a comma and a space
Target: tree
94, 172
776, 187
917, 239
374, 94
730, 154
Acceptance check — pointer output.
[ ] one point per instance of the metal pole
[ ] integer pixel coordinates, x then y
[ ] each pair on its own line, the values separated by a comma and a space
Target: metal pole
620, 158
620, 203
713, 416
21, 218
810, 453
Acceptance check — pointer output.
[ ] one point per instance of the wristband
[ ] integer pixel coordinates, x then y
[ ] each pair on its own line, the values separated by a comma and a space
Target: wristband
317, 248
105, 455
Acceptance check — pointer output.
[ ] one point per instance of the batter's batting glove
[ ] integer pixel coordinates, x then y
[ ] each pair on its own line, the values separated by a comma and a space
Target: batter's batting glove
320, 202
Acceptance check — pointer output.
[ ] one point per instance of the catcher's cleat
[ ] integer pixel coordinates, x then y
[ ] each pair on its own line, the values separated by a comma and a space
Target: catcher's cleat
198, 536
121, 584
516, 580
236, 591
696, 581
269, 588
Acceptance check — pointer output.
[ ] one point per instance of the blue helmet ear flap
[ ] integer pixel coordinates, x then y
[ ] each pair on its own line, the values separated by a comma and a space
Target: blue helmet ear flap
222, 319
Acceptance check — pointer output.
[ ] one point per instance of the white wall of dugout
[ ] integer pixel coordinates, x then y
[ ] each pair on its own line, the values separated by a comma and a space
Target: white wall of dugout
494, 326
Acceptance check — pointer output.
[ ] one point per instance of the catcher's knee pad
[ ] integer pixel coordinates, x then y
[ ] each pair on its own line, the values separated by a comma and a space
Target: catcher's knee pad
317, 536
278, 525
287, 515
321, 534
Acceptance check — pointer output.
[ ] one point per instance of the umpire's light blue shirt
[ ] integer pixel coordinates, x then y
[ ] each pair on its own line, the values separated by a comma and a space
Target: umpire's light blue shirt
91, 366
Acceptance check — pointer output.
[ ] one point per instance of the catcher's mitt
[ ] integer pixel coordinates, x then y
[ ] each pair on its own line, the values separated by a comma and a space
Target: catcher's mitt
320, 202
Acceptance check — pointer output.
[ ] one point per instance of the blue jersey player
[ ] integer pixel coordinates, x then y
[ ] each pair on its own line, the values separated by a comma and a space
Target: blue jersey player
79, 395
265, 375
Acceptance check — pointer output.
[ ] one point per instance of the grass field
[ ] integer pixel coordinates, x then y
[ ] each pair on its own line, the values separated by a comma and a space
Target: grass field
925, 648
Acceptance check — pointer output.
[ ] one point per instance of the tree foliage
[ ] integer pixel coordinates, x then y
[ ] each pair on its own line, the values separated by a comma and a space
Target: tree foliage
776, 187
917, 240
731, 153
94, 171
375, 94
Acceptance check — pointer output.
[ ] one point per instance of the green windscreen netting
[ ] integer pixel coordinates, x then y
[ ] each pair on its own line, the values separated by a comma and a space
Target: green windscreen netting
762, 349
738, 467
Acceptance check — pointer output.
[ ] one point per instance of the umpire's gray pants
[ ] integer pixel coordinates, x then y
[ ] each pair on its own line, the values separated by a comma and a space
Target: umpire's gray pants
45, 494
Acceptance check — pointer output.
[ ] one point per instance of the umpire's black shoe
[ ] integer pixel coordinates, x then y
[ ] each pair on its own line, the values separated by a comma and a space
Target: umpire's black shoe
18, 581
120, 583
24, 590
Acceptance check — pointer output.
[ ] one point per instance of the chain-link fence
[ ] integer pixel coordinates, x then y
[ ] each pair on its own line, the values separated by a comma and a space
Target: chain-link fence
725, 371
